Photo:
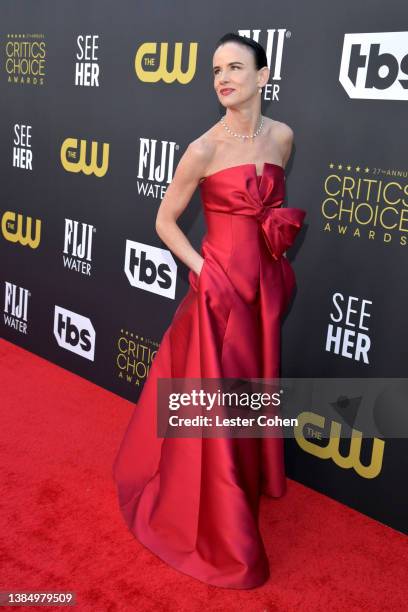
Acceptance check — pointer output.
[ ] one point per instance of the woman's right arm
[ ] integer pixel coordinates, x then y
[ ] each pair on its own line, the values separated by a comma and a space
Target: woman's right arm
190, 169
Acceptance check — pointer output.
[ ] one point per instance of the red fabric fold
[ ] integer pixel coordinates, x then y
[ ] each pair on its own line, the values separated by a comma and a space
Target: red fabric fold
280, 227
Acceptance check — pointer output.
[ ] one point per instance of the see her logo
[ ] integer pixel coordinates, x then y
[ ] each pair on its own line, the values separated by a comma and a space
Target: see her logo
346, 334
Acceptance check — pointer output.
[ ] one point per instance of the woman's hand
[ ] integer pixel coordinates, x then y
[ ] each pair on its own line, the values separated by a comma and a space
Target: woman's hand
201, 267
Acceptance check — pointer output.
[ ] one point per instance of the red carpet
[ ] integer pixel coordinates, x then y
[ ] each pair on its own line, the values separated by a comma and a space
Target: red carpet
61, 528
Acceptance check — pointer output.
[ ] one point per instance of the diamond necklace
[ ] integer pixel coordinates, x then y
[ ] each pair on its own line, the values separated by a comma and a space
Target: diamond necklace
242, 135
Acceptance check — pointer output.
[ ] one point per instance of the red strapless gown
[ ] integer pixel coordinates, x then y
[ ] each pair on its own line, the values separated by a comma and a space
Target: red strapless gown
194, 501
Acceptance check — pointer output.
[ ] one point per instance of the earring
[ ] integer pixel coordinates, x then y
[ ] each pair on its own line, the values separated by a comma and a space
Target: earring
260, 90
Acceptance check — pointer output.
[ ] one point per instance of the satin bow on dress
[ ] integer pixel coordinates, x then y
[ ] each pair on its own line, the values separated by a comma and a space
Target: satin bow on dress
280, 227
194, 501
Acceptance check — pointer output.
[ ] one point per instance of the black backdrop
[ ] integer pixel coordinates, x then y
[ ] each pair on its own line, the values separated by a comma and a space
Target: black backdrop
72, 292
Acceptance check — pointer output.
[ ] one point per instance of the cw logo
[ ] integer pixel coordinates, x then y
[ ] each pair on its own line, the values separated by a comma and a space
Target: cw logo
331, 451
161, 72
74, 160
12, 229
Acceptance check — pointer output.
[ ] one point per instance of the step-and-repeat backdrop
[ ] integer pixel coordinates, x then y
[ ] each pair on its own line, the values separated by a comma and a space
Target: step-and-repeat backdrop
98, 103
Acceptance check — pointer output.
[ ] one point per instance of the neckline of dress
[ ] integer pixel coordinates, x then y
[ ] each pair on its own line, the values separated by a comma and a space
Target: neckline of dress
240, 166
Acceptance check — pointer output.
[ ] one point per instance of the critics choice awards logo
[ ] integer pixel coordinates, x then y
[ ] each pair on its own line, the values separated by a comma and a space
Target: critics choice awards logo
25, 60
369, 204
134, 356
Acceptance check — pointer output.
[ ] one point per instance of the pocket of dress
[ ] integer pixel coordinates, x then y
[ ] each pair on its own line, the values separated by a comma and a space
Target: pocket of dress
195, 278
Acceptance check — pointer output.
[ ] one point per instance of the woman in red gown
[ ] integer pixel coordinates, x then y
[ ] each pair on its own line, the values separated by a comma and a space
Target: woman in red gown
194, 501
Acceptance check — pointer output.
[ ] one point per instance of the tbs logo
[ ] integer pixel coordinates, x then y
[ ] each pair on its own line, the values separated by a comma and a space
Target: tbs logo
375, 65
150, 268
74, 332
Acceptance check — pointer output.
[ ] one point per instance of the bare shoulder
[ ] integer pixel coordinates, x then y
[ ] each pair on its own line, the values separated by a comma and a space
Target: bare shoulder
202, 148
283, 136
198, 156
282, 131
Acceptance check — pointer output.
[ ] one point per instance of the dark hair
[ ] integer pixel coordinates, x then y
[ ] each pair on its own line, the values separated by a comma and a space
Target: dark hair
257, 49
